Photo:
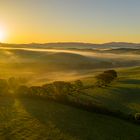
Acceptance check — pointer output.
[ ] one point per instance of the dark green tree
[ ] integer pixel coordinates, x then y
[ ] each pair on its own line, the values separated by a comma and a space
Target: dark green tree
105, 78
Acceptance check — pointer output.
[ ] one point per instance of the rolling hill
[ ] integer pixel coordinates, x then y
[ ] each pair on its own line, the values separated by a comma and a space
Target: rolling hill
35, 118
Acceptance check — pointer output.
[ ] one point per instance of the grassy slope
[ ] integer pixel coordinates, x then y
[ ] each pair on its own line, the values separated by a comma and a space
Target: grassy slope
123, 94
33, 119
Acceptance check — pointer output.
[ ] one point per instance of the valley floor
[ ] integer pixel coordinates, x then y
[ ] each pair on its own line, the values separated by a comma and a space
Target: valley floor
37, 119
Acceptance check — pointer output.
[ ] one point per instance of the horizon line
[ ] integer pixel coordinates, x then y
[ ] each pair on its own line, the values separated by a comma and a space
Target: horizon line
78, 42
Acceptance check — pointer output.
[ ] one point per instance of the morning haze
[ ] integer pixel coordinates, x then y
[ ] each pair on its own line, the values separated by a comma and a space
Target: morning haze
69, 70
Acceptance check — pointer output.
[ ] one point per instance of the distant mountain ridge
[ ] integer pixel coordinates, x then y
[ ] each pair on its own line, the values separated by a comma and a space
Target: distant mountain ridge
77, 45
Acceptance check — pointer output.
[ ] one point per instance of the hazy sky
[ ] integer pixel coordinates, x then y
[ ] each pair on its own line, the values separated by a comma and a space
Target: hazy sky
96, 21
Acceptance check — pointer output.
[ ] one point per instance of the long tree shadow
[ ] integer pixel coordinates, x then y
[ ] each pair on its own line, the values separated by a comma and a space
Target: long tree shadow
131, 81
127, 94
125, 97
78, 123
7, 115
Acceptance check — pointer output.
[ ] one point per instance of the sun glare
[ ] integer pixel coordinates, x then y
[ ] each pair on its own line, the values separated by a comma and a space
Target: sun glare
2, 35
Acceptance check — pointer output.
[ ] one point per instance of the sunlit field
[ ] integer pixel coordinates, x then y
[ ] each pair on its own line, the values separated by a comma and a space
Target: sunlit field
34, 107
33, 119
69, 70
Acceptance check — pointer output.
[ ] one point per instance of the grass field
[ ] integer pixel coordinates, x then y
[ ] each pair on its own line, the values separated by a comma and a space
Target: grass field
33, 119
123, 94
23, 118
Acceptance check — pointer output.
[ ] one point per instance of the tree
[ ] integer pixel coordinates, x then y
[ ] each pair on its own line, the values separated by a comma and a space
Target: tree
35, 90
78, 84
13, 84
61, 87
111, 72
137, 116
58, 89
106, 78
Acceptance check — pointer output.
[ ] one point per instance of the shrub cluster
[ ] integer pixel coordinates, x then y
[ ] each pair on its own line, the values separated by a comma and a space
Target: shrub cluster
57, 90
105, 78
137, 117
10, 85
63, 92
66, 92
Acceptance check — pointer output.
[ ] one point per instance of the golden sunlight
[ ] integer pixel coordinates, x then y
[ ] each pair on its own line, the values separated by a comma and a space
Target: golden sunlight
2, 34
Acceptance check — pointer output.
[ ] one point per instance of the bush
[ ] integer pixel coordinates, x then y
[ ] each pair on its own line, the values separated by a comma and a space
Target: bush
35, 90
137, 116
112, 72
15, 83
78, 85
106, 78
57, 90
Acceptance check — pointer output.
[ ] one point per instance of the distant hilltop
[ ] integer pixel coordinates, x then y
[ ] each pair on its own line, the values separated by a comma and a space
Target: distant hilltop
78, 45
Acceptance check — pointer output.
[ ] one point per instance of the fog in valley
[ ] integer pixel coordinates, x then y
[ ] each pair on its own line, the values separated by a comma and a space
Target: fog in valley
45, 65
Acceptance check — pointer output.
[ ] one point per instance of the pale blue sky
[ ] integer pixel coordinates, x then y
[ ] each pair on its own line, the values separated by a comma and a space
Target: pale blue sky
71, 20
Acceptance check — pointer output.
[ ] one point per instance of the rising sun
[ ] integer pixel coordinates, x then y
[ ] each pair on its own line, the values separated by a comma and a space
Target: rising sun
2, 35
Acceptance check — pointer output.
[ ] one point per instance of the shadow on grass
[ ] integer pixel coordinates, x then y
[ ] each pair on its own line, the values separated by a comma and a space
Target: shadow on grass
127, 93
130, 81
82, 124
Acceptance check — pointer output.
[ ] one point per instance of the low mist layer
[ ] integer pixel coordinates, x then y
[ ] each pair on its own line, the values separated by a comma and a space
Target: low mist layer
61, 64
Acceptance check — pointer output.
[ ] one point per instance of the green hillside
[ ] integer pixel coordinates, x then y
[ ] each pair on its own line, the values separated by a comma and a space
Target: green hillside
33, 119
123, 94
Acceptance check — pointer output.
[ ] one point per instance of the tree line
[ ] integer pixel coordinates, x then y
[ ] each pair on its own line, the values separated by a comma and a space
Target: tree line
65, 92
